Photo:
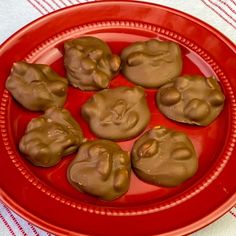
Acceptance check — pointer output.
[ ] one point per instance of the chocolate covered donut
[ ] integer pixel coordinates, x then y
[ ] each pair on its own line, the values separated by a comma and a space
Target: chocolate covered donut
89, 63
101, 168
164, 157
151, 63
36, 86
117, 114
51, 136
191, 99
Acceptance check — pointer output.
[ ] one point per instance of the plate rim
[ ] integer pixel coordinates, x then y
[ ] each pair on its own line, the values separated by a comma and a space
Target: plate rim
198, 224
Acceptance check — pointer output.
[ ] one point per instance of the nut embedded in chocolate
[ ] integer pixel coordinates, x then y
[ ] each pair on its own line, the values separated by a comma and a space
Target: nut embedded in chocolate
101, 168
191, 99
151, 63
51, 136
36, 87
164, 157
89, 63
117, 114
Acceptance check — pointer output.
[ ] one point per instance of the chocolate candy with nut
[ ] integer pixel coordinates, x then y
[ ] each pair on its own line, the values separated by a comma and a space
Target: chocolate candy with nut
117, 114
89, 63
50, 137
101, 168
164, 157
191, 99
152, 63
36, 87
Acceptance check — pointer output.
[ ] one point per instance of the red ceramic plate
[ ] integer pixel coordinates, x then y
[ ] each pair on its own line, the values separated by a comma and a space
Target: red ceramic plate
44, 197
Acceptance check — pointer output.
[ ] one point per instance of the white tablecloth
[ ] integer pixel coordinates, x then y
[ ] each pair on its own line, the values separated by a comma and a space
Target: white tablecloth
14, 14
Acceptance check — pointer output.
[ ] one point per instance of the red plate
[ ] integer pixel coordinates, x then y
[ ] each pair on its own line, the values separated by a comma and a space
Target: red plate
44, 197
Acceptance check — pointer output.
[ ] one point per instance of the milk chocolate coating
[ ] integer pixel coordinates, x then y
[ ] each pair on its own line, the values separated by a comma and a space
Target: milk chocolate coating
51, 136
117, 114
191, 99
89, 63
164, 157
101, 168
151, 63
36, 86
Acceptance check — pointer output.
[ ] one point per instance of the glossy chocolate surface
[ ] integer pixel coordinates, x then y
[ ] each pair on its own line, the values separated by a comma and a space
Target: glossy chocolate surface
117, 114
191, 99
49, 137
36, 86
164, 157
90, 63
151, 63
102, 169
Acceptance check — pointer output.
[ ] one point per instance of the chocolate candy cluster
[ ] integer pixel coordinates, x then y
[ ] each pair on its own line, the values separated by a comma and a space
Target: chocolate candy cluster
89, 63
153, 63
102, 169
36, 87
117, 114
191, 99
50, 136
164, 157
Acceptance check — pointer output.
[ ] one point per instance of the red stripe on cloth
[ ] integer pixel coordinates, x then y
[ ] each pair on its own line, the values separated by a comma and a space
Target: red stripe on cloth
70, 2
63, 3
228, 6
41, 5
38, 9
33, 229
7, 225
15, 221
46, 2
232, 213
203, 1
78, 1
219, 7
56, 4
233, 2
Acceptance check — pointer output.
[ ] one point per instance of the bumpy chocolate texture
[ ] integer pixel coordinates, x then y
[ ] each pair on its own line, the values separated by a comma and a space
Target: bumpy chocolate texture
36, 86
193, 100
152, 63
89, 63
164, 157
117, 114
101, 168
51, 136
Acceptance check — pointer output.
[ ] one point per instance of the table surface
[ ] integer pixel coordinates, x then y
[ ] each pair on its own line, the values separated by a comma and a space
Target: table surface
14, 14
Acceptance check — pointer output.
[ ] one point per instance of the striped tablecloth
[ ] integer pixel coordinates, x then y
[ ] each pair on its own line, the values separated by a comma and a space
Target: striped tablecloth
14, 14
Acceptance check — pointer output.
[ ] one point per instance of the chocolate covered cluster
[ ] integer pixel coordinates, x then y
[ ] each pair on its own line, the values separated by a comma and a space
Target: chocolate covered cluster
101, 168
164, 157
36, 87
191, 99
151, 63
117, 114
50, 137
89, 63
